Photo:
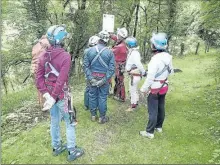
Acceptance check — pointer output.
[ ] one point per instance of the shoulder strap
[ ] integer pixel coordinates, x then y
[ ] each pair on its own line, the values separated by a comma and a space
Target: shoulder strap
99, 57
166, 67
48, 64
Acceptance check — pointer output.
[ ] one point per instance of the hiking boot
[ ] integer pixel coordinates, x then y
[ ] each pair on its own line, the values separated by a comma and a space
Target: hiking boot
160, 130
146, 134
103, 119
59, 150
94, 118
74, 154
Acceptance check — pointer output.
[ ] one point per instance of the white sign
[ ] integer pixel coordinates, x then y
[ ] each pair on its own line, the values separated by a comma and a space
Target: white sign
108, 22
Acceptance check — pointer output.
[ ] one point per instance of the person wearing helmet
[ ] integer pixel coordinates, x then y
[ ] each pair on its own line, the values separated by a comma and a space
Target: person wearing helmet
135, 70
92, 42
156, 84
120, 53
52, 81
99, 66
37, 50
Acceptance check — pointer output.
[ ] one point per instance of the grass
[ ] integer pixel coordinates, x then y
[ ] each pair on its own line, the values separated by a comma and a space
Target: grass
16, 100
191, 128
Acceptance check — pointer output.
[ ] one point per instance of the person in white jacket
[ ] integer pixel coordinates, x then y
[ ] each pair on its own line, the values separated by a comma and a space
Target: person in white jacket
156, 84
135, 70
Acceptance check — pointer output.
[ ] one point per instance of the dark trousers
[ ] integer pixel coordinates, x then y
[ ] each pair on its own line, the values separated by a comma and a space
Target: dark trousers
98, 99
156, 111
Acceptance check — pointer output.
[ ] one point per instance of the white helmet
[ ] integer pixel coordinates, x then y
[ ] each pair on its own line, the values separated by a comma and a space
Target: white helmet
104, 35
122, 32
93, 40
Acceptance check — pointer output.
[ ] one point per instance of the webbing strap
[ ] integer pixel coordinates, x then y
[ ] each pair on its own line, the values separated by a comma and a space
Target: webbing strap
98, 57
53, 70
166, 67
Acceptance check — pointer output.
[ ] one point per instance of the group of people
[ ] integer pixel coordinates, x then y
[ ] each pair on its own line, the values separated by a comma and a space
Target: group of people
100, 63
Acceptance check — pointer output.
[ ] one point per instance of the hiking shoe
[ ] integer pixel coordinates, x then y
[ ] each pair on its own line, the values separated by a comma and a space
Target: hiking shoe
103, 119
74, 154
160, 130
93, 118
59, 150
130, 109
118, 99
86, 108
146, 134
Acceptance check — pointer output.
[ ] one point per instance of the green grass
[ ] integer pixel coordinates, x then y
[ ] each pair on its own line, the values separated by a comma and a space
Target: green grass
16, 100
191, 128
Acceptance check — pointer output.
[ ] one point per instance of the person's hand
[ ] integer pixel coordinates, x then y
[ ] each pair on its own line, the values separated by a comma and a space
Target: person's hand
50, 101
143, 96
93, 82
145, 74
100, 83
46, 96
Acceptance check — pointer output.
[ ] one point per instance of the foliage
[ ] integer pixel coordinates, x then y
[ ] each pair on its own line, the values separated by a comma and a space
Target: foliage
179, 19
190, 130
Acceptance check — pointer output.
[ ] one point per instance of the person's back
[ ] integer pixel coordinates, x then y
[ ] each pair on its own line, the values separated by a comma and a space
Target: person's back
51, 81
106, 56
120, 54
99, 66
156, 84
61, 61
92, 42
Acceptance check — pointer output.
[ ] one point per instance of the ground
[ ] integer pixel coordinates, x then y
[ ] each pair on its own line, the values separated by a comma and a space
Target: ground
191, 128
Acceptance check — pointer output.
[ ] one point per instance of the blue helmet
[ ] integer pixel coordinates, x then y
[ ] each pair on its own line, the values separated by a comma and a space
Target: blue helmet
159, 41
131, 42
56, 34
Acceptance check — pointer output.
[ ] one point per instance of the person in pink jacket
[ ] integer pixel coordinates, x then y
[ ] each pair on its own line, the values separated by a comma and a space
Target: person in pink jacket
52, 82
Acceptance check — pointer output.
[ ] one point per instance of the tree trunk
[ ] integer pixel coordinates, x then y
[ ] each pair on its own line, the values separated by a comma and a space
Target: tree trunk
136, 18
197, 48
158, 17
5, 85
207, 47
181, 48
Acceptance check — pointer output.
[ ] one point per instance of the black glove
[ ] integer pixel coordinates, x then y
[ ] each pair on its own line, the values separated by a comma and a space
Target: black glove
145, 74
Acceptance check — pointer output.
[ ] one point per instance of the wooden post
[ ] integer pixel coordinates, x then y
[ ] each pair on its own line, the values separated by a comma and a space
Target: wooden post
181, 48
197, 48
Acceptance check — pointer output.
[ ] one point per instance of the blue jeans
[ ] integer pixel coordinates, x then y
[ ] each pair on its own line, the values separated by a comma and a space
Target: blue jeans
57, 113
98, 99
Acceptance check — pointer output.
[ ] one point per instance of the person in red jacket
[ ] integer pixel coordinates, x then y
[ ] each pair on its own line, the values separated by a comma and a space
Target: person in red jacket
52, 82
120, 53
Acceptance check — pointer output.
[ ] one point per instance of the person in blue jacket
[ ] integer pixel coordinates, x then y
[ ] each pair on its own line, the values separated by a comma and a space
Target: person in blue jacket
92, 42
99, 67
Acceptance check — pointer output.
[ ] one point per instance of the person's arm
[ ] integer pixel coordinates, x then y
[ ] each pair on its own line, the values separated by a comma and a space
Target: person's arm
113, 37
86, 65
171, 66
62, 78
152, 70
40, 79
111, 67
137, 62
